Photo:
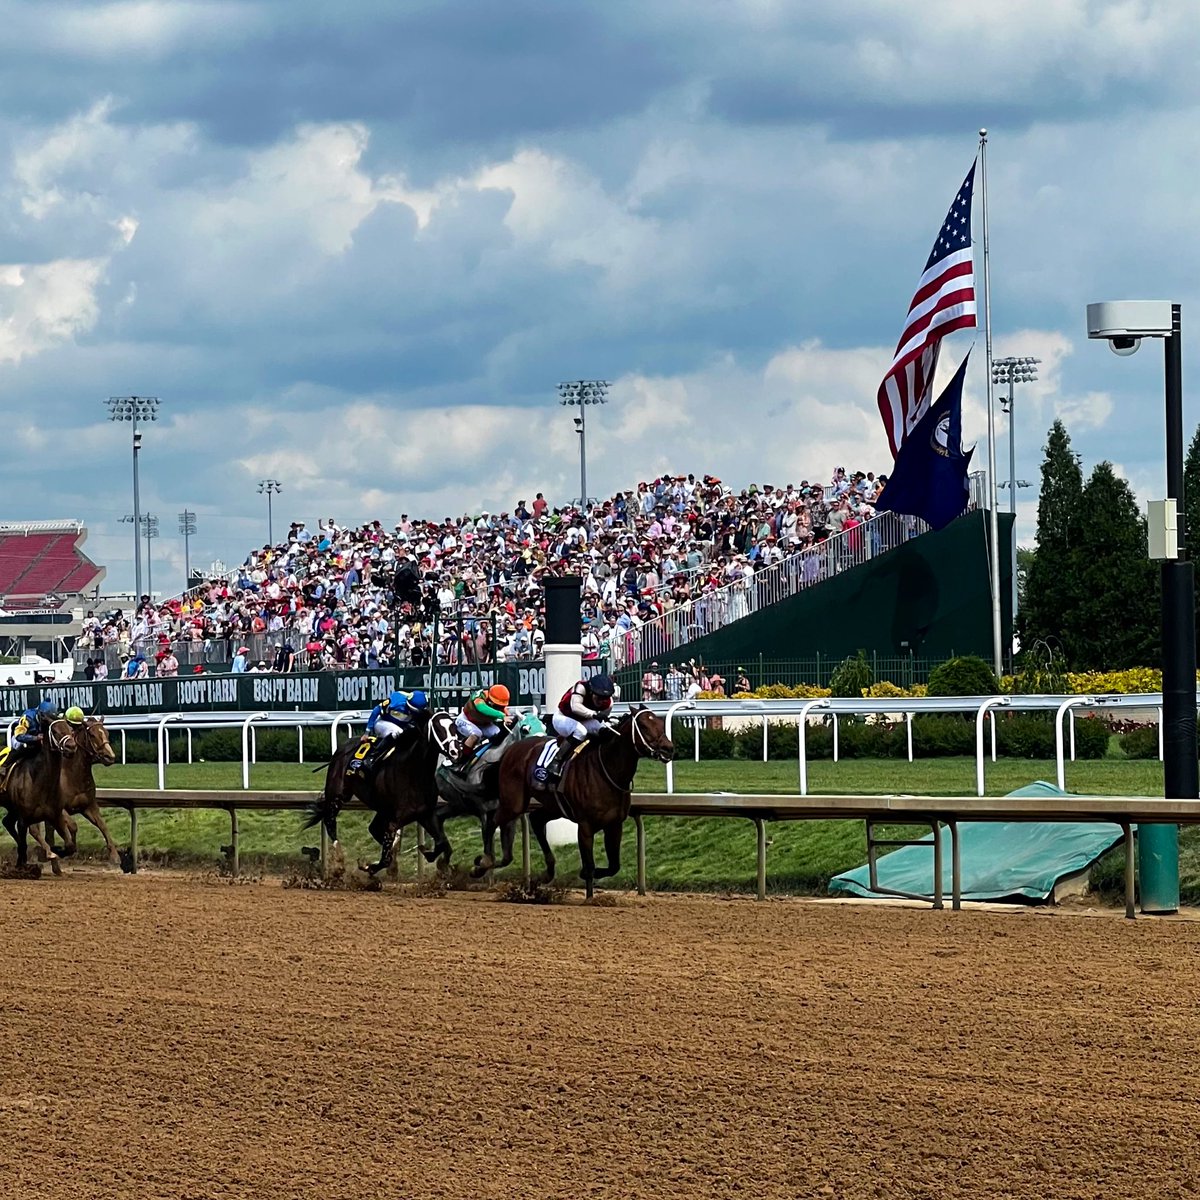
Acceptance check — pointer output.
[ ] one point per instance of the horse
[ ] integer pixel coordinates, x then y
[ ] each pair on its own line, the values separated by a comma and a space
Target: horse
401, 788
77, 788
32, 794
474, 793
594, 792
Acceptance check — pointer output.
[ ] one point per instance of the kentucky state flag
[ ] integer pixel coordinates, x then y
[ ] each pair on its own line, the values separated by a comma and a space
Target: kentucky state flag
929, 479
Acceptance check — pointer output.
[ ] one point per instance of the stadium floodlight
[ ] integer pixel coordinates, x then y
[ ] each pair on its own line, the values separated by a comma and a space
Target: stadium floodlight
145, 525
1124, 324
134, 409
187, 526
579, 394
270, 487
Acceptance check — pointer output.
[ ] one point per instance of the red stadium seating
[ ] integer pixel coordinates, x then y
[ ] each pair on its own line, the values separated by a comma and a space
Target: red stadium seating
38, 564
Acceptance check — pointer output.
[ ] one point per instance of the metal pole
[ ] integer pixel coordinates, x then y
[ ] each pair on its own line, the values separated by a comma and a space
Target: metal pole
149, 568
1012, 448
1158, 845
270, 522
582, 456
993, 523
137, 520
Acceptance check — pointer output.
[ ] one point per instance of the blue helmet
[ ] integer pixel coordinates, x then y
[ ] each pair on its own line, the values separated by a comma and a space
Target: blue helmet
418, 702
601, 685
47, 709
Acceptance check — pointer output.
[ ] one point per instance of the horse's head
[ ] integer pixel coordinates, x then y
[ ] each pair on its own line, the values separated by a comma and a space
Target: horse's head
648, 733
442, 733
93, 737
60, 737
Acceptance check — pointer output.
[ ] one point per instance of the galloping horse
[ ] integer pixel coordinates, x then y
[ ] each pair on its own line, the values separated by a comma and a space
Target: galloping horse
401, 789
594, 792
77, 788
473, 793
32, 794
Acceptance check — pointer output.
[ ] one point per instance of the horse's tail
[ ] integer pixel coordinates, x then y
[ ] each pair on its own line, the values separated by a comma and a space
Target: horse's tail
317, 810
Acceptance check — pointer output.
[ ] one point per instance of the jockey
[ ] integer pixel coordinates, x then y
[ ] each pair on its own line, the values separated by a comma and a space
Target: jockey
27, 732
479, 719
582, 712
389, 719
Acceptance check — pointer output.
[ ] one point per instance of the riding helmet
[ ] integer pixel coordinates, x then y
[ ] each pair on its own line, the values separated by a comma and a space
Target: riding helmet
418, 702
497, 695
47, 709
75, 715
601, 685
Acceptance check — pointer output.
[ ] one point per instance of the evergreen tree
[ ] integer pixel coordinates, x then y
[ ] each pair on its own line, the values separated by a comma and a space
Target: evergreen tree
1049, 591
1111, 620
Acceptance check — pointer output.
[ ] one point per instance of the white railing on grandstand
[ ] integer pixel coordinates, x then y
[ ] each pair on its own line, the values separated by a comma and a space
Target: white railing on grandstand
707, 613
41, 526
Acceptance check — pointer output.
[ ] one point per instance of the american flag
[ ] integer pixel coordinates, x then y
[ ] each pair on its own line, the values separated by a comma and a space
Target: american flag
945, 301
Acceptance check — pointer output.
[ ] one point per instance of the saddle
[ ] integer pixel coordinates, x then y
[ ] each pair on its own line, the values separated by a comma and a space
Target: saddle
540, 772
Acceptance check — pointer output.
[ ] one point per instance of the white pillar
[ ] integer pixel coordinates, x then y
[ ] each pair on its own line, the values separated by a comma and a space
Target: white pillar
564, 666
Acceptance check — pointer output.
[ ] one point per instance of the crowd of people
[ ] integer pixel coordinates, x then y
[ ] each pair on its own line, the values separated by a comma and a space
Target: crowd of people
468, 589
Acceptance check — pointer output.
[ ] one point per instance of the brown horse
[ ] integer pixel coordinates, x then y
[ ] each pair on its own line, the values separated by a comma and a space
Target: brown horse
400, 789
32, 794
77, 788
594, 793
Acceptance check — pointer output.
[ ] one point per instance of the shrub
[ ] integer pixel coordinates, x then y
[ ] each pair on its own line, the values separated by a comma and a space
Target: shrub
1141, 742
1025, 735
881, 740
852, 677
967, 675
221, 745
1091, 737
714, 743
942, 736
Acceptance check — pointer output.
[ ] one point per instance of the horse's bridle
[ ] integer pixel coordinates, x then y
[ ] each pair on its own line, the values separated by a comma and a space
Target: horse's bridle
635, 735
62, 743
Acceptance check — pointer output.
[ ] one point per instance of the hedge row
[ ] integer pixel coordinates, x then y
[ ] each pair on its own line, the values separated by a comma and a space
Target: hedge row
1017, 736
225, 745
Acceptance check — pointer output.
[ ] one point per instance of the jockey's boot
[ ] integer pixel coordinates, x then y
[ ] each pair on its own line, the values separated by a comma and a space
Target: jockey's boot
465, 756
562, 752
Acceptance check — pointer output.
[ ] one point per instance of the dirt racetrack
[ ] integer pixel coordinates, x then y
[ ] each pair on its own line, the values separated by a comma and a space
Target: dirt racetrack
183, 1038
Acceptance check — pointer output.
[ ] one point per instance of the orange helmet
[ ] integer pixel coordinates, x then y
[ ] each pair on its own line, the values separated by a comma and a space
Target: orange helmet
497, 694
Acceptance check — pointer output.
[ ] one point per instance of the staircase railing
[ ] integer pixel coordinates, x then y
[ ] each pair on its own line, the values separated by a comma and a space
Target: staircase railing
714, 610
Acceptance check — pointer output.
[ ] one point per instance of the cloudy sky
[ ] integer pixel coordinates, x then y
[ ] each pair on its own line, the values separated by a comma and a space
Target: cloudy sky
354, 247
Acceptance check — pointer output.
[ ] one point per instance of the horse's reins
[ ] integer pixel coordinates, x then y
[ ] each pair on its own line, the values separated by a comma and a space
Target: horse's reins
61, 743
635, 734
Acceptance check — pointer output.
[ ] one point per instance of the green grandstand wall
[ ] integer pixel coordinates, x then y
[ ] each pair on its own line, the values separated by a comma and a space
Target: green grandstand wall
932, 593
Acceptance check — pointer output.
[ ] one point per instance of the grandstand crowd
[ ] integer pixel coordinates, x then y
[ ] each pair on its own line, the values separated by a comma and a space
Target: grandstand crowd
469, 589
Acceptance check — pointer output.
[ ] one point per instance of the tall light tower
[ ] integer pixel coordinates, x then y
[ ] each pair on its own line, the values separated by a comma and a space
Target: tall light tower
187, 526
271, 487
134, 409
145, 525
1013, 371
580, 393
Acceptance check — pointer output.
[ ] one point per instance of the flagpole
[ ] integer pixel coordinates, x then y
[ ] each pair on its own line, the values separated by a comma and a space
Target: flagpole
993, 504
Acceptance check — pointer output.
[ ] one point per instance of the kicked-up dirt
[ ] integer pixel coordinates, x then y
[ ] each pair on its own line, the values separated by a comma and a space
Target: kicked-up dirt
174, 1037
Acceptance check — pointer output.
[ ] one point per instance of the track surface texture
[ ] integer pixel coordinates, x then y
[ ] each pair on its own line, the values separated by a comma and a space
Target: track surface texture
175, 1037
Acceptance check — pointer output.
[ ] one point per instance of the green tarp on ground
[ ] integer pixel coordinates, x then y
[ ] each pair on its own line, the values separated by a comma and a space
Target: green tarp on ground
1000, 860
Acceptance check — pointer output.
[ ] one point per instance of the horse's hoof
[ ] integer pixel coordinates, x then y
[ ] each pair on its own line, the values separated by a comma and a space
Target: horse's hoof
55, 865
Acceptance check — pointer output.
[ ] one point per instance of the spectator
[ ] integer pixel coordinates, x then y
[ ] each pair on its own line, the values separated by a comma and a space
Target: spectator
653, 684
168, 666
239, 660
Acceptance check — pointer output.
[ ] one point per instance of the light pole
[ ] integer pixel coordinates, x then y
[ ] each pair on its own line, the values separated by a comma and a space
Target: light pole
187, 526
145, 525
579, 394
271, 487
1013, 371
1123, 324
134, 409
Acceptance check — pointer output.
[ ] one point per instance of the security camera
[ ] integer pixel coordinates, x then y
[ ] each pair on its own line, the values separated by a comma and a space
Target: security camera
1124, 346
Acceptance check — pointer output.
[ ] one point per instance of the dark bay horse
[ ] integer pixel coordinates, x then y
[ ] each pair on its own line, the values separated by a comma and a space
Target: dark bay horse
32, 795
594, 793
400, 790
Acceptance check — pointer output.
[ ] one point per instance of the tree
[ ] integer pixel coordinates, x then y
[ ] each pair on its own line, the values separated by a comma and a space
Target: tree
1025, 557
1049, 591
1111, 619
